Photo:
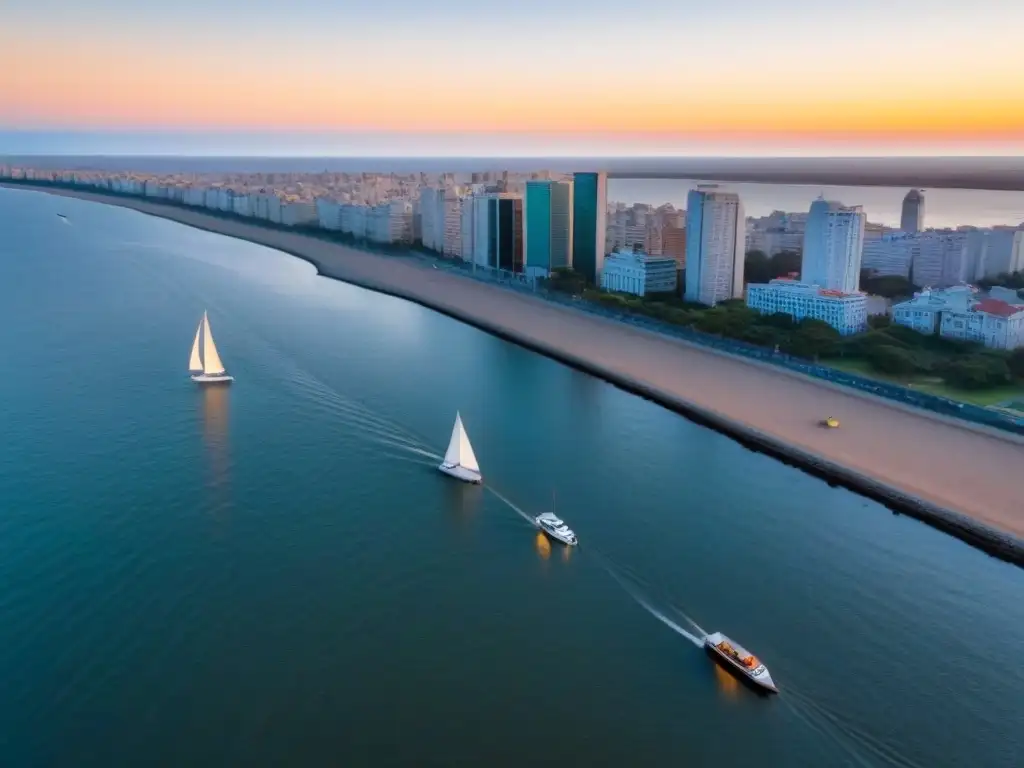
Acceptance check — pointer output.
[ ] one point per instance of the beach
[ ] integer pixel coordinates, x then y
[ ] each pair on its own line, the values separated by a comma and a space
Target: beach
957, 476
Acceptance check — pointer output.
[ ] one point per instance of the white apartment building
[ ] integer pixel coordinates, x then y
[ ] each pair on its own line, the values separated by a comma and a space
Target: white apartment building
353, 220
637, 273
328, 213
390, 222
242, 205
833, 246
940, 259
432, 221
715, 227
298, 213
453, 227
923, 313
466, 228
994, 323
846, 312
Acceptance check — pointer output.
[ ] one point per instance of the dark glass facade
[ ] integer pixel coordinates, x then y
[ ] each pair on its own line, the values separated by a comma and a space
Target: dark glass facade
585, 205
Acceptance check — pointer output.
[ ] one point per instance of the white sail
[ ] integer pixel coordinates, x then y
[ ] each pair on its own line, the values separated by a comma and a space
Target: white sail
212, 364
454, 453
466, 450
194, 363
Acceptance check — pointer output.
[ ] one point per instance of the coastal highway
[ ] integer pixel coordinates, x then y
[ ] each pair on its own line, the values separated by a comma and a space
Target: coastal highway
956, 466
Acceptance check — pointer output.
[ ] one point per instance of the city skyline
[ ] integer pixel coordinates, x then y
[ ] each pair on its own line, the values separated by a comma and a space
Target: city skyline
705, 79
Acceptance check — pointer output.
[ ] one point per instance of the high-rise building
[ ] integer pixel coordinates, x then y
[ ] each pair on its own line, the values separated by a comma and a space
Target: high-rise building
589, 223
498, 231
548, 226
673, 241
912, 217
833, 246
431, 210
715, 229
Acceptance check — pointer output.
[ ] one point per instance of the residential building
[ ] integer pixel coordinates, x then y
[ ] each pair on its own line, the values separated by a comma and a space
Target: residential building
673, 244
991, 251
432, 218
890, 254
298, 213
923, 313
833, 246
628, 271
589, 223
328, 213
452, 245
939, 259
994, 323
714, 245
846, 312
912, 215
547, 226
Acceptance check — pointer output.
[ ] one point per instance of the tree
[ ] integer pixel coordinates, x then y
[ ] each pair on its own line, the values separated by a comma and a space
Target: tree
1015, 363
888, 286
756, 267
877, 322
976, 372
813, 339
785, 263
891, 360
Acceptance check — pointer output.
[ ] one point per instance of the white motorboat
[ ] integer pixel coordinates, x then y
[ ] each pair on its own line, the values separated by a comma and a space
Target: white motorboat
205, 362
459, 460
554, 527
739, 661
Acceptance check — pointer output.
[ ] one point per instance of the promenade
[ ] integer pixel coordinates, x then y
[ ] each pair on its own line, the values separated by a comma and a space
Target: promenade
884, 449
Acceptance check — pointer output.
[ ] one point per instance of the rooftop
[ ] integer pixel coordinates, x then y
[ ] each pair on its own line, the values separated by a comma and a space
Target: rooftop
998, 307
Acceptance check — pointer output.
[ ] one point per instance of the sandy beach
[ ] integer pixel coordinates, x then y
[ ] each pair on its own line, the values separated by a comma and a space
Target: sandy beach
884, 449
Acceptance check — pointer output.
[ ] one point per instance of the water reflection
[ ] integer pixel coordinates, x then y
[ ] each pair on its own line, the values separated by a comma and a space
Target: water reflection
463, 502
726, 683
214, 402
542, 545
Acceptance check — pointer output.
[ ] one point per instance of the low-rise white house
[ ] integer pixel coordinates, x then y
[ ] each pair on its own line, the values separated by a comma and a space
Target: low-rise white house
846, 312
997, 321
923, 312
638, 273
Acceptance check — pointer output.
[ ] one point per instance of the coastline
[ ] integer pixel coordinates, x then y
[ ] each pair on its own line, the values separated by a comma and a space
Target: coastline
909, 460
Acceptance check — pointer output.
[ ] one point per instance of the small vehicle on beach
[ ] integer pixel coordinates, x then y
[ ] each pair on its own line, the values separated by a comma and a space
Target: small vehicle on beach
830, 423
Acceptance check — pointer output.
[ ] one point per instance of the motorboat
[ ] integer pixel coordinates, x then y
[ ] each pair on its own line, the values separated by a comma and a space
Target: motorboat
459, 460
830, 423
205, 362
740, 662
554, 527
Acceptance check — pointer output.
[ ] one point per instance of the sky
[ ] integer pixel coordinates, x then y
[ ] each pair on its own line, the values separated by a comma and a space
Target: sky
532, 77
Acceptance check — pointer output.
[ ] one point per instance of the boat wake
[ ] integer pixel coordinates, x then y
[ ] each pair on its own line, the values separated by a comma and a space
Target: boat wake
696, 637
511, 505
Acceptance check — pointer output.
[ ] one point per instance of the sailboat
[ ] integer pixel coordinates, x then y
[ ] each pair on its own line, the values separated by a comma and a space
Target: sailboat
459, 459
205, 363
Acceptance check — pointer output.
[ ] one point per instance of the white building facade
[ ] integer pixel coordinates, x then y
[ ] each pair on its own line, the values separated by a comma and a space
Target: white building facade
715, 234
627, 271
833, 246
846, 312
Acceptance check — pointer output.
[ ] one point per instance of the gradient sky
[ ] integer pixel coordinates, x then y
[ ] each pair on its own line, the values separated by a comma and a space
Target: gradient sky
529, 75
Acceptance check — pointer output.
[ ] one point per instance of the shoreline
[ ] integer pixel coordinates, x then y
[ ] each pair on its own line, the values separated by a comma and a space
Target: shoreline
909, 460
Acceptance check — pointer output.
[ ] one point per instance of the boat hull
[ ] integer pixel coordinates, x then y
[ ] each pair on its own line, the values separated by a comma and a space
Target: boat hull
205, 378
461, 473
764, 687
553, 535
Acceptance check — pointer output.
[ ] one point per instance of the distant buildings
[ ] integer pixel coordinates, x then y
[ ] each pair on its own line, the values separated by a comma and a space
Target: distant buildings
846, 312
714, 246
628, 271
432, 218
589, 225
548, 227
776, 233
833, 245
912, 215
963, 313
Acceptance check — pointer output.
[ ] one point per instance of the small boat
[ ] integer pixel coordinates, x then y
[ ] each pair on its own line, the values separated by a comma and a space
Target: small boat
554, 527
739, 661
459, 460
830, 423
205, 362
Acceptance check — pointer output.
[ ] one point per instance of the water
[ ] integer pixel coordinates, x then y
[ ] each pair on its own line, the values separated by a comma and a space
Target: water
274, 574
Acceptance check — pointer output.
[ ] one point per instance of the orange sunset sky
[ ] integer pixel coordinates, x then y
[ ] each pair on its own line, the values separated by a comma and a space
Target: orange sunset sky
900, 75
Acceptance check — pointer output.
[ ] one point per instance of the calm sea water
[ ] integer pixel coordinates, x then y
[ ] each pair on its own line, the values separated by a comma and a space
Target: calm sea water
275, 574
